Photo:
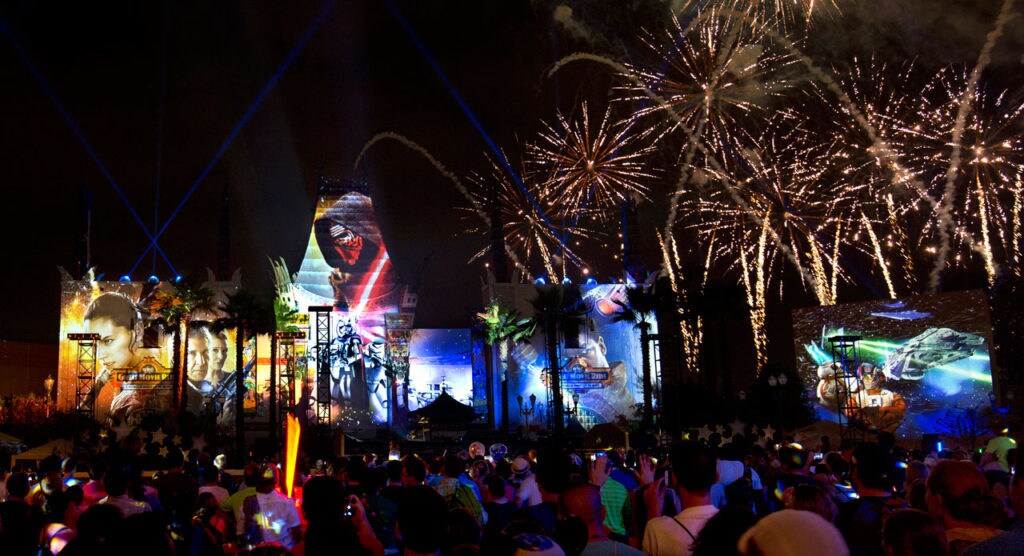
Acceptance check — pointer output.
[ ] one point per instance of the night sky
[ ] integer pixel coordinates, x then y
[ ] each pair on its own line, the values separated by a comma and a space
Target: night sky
156, 88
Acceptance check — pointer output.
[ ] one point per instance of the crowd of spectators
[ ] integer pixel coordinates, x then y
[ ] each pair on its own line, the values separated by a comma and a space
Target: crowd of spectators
872, 498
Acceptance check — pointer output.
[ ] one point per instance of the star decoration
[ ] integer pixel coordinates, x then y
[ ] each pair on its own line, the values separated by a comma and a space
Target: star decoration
164, 451
754, 431
176, 440
737, 427
721, 430
769, 432
159, 436
199, 443
122, 430
704, 433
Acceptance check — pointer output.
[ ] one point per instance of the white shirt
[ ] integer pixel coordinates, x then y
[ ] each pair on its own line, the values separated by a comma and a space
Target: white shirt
276, 518
220, 494
128, 506
665, 537
528, 493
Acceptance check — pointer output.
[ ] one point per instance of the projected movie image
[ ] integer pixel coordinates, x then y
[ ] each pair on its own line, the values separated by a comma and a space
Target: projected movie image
133, 354
603, 366
132, 369
440, 360
917, 358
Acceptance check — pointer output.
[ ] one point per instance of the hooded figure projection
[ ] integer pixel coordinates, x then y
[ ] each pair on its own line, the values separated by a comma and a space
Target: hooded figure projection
349, 239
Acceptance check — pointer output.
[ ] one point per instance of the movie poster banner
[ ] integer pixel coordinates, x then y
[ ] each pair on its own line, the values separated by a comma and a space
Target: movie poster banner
133, 354
132, 364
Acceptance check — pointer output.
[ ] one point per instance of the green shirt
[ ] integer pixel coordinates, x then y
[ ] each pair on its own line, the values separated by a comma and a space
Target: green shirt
615, 499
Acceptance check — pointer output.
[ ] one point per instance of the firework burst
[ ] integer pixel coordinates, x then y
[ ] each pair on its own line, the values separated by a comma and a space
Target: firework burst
590, 165
536, 241
716, 77
984, 199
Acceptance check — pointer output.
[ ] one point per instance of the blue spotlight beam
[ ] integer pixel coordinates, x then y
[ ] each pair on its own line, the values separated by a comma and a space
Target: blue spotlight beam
434, 65
311, 30
5, 28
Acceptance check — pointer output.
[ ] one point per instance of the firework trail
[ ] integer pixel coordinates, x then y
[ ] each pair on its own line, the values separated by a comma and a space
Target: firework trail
944, 210
477, 207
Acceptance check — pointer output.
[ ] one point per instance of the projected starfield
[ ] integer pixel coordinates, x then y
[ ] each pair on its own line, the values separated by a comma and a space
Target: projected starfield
916, 359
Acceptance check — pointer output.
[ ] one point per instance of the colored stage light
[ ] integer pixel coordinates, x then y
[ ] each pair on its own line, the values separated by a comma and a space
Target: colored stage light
591, 281
566, 281
126, 278
540, 280
153, 279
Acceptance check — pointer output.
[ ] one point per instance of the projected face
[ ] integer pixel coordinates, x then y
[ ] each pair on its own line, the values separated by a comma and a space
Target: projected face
198, 364
217, 347
116, 346
346, 243
594, 352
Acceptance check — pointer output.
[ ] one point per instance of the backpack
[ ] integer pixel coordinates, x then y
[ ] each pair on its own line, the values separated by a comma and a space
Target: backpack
463, 497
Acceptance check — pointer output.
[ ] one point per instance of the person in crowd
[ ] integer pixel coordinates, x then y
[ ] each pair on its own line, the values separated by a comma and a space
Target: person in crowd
211, 479
793, 470
93, 491
525, 481
268, 515
464, 533
914, 484
958, 496
414, 471
861, 519
499, 509
115, 482
911, 532
812, 498
615, 495
98, 527
336, 524
1011, 541
792, 533
233, 505
694, 470
585, 502
722, 532
456, 494
421, 521
19, 521
210, 527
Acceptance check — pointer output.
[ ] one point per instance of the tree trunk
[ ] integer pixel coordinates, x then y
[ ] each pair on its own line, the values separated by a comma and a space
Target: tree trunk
646, 373
554, 374
239, 395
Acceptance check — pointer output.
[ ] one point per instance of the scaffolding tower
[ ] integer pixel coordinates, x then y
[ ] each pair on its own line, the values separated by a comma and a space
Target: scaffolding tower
844, 372
286, 353
85, 374
322, 336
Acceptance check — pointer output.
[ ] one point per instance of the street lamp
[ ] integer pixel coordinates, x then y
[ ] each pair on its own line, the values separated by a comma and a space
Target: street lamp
573, 407
48, 384
527, 411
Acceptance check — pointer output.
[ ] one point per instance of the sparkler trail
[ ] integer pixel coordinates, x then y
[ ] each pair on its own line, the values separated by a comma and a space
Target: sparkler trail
878, 254
944, 209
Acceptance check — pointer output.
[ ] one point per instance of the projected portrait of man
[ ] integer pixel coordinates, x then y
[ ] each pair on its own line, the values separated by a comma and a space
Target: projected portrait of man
351, 244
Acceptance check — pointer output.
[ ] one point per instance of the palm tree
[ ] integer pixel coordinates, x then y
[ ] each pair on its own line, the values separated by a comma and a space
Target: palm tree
555, 313
175, 309
249, 316
502, 324
639, 310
